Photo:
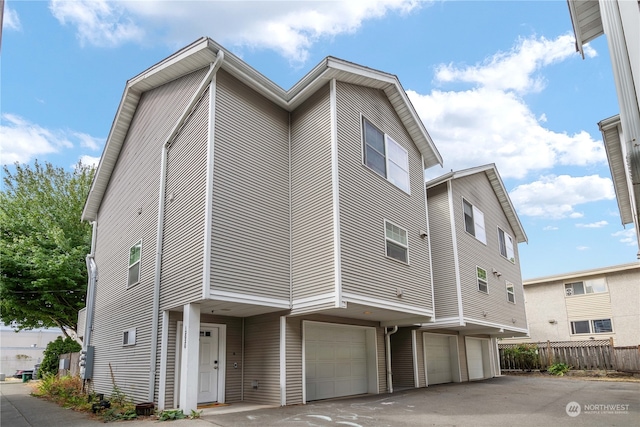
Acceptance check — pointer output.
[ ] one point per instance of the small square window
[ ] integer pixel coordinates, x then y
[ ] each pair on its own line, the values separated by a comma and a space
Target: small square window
134, 264
483, 285
129, 337
511, 296
580, 327
602, 325
396, 242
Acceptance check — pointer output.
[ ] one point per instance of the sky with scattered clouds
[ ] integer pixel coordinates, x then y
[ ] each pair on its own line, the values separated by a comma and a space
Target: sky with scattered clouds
494, 82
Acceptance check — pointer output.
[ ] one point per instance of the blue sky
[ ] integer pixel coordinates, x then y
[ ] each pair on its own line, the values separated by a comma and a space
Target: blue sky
492, 81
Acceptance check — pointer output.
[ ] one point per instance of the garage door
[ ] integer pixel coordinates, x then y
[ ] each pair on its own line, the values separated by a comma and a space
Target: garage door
335, 361
438, 354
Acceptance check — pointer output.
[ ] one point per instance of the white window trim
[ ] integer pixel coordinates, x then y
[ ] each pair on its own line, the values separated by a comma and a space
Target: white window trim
479, 231
591, 326
508, 246
390, 239
584, 284
130, 334
139, 262
512, 292
478, 279
387, 140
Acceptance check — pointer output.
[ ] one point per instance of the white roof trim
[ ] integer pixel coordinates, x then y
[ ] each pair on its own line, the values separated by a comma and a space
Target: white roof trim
201, 53
581, 274
586, 21
498, 187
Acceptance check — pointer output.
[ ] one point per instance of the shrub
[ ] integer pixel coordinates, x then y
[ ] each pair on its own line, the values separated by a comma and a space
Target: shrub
559, 369
525, 355
65, 391
51, 358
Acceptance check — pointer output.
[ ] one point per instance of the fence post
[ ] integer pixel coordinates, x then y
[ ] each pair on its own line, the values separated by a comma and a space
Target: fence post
613, 354
549, 358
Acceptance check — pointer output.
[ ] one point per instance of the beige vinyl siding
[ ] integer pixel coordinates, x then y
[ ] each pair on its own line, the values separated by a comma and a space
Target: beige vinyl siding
262, 359
422, 375
128, 214
462, 358
589, 307
441, 238
250, 235
82, 319
313, 264
368, 199
477, 190
183, 241
402, 358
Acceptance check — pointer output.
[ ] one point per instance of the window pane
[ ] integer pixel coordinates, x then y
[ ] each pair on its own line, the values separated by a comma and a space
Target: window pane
482, 286
511, 255
375, 161
501, 242
396, 233
398, 176
397, 154
602, 325
134, 274
482, 273
373, 137
134, 253
581, 327
568, 289
596, 286
396, 251
510, 293
468, 218
478, 223
578, 288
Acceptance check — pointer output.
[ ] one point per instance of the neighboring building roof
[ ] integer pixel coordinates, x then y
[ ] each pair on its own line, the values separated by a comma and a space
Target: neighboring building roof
202, 53
498, 187
611, 129
586, 20
582, 273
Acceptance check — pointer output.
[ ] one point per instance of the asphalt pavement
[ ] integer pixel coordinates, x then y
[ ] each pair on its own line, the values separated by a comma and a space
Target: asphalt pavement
502, 401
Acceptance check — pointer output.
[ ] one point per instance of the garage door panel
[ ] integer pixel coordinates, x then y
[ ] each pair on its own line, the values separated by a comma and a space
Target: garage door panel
439, 359
474, 359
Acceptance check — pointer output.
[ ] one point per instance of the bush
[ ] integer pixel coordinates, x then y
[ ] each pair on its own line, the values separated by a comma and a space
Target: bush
66, 391
559, 369
51, 358
525, 355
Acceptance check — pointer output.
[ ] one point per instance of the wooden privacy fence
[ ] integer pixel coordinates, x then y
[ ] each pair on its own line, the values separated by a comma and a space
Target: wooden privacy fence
587, 355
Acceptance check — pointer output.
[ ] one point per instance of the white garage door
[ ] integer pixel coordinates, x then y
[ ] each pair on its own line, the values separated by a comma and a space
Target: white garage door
335, 361
477, 358
438, 353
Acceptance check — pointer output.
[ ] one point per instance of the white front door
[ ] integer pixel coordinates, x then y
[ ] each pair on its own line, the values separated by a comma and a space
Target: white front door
208, 366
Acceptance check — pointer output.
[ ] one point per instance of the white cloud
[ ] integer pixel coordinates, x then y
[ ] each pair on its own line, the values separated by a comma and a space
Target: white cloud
556, 196
582, 248
21, 141
10, 20
89, 161
491, 123
628, 237
598, 224
290, 28
550, 228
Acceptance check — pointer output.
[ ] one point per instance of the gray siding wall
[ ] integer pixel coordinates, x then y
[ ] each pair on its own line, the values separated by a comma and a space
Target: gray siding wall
262, 359
477, 190
367, 199
402, 358
250, 235
133, 186
183, 241
294, 352
313, 264
441, 238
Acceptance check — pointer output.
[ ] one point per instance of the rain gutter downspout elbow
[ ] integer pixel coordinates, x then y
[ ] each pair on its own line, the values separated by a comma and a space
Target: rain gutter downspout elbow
213, 68
387, 335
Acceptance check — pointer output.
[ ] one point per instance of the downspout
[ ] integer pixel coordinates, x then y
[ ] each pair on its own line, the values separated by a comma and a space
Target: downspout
213, 68
92, 269
387, 336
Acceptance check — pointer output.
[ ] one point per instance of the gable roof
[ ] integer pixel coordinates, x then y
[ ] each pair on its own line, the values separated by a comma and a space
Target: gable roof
493, 176
205, 51
586, 21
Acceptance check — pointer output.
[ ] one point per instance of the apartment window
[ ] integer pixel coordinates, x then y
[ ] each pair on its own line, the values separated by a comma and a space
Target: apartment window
134, 263
511, 296
129, 337
396, 241
482, 280
506, 245
597, 326
474, 221
593, 286
385, 156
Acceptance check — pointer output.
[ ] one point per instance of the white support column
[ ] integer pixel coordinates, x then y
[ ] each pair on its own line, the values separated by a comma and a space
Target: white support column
190, 358
164, 350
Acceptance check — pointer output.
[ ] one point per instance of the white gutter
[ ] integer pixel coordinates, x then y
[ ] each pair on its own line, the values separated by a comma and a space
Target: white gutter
213, 68
387, 336
93, 278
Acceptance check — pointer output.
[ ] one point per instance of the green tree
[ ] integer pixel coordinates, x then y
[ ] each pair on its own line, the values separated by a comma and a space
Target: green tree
43, 245
51, 357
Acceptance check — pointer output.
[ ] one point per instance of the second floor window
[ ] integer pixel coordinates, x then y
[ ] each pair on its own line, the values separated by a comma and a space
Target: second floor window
396, 241
593, 286
483, 284
506, 245
134, 264
385, 156
511, 295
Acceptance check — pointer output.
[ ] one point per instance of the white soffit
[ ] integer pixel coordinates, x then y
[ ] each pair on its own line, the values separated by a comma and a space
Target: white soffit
611, 130
586, 20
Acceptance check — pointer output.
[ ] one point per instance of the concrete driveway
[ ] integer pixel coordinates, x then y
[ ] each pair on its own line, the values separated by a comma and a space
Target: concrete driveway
503, 401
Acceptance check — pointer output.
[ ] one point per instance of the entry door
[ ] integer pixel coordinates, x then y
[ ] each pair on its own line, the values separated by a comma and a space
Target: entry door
208, 366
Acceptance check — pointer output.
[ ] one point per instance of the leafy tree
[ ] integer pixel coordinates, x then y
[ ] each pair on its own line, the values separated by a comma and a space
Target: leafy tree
51, 358
43, 245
